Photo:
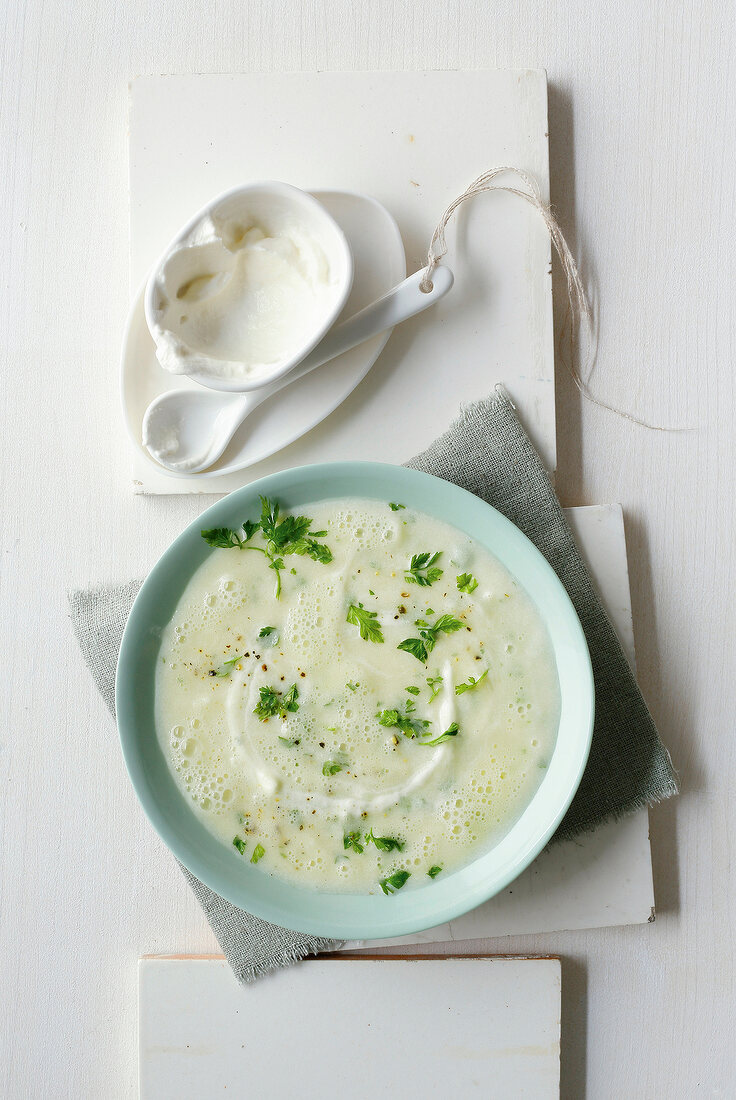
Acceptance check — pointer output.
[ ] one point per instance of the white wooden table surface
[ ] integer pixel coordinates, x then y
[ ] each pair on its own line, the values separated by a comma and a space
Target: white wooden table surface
642, 125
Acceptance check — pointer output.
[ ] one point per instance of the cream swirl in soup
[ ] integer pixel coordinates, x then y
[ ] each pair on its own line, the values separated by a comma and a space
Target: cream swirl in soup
361, 698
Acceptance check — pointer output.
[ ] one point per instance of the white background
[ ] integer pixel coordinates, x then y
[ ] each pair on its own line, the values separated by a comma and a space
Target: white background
642, 125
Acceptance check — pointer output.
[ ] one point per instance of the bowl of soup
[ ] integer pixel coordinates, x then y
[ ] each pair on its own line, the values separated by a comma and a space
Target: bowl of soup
354, 700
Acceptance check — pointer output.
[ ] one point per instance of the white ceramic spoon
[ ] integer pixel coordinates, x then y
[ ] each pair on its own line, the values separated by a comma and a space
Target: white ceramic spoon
188, 430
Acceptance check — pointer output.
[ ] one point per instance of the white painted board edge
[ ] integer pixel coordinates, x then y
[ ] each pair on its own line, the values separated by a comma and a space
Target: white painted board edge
358, 1028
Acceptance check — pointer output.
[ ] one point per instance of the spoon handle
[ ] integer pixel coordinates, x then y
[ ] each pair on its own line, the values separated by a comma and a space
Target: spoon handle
396, 305
399, 303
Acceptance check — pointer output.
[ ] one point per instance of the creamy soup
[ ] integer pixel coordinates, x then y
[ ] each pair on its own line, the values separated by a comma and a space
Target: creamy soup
357, 699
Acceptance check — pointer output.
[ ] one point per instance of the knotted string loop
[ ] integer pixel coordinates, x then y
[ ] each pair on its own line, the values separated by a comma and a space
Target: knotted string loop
580, 314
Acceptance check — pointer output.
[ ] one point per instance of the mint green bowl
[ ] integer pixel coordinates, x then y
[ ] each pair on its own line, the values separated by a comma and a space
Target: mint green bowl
339, 915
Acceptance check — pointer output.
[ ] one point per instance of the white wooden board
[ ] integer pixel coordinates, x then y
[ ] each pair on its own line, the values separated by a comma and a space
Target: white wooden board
355, 1028
413, 141
604, 878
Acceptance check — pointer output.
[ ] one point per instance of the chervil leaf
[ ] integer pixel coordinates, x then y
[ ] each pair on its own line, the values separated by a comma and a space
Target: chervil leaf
416, 647
287, 535
394, 882
269, 516
432, 683
451, 731
447, 623
319, 552
422, 569
421, 647
366, 621
466, 582
265, 631
434, 871
271, 702
331, 767
290, 699
222, 537
384, 843
352, 842
226, 668
410, 727
239, 844
396, 507
470, 683
412, 690
268, 704
258, 853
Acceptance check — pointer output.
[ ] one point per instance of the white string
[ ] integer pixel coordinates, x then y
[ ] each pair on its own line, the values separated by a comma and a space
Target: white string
580, 313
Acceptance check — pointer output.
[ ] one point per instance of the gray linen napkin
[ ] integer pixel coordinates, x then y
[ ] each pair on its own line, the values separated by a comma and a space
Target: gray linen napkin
487, 452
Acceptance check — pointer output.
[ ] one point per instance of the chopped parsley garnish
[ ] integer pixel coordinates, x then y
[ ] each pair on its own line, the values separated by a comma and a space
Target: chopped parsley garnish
285, 531
434, 871
434, 683
317, 551
416, 647
225, 539
268, 704
351, 686
394, 882
239, 844
451, 731
470, 683
272, 702
258, 853
366, 621
410, 727
466, 582
422, 569
290, 699
290, 535
352, 842
384, 843
412, 690
396, 507
446, 623
422, 646
331, 767
265, 631
226, 668
277, 564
